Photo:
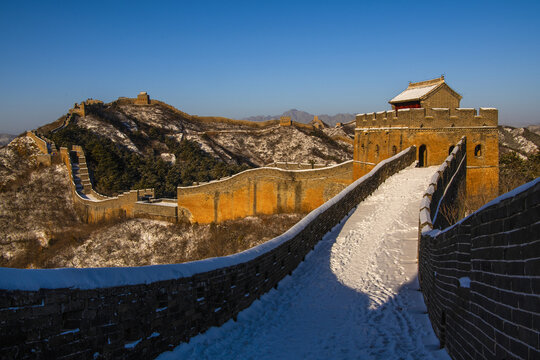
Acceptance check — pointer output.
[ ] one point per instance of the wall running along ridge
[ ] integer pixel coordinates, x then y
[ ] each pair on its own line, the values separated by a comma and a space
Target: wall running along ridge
481, 276
93, 207
132, 313
263, 191
219, 119
47, 148
252, 192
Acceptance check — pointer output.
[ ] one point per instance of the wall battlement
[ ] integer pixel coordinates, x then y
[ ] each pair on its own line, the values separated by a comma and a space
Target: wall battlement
429, 118
82, 108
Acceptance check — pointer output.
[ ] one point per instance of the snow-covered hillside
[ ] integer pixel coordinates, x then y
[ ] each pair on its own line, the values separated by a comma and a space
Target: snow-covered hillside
35, 204
138, 128
520, 140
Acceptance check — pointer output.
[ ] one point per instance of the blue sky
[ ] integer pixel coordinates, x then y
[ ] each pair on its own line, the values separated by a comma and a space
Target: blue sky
242, 58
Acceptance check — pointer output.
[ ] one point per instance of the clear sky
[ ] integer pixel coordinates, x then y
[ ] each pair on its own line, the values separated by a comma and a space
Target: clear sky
243, 58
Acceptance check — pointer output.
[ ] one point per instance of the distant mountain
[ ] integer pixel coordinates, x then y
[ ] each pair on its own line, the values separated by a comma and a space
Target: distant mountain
534, 128
305, 117
6, 138
524, 141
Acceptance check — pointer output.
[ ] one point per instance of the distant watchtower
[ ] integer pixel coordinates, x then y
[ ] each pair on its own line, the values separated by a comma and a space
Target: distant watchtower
318, 124
142, 99
285, 121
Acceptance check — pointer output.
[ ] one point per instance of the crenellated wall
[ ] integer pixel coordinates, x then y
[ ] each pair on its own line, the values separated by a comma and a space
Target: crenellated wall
133, 313
263, 191
481, 276
431, 118
433, 131
295, 166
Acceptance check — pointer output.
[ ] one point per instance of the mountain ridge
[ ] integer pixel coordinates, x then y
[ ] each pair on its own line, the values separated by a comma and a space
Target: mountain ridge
305, 117
6, 138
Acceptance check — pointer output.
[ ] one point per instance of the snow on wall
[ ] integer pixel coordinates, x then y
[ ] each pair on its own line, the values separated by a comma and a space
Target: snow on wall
443, 189
112, 308
480, 278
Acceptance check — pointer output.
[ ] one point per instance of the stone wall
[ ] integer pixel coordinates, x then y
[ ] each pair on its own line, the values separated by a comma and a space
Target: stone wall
481, 276
133, 313
296, 166
157, 210
263, 191
93, 207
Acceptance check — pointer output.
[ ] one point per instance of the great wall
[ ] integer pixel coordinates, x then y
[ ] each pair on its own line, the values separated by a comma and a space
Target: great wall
479, 276
276, 188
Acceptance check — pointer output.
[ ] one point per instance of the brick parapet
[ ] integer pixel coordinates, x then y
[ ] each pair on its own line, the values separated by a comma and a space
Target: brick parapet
145, 318
444, 189
429, 118
480, 279
269, 172
263, 191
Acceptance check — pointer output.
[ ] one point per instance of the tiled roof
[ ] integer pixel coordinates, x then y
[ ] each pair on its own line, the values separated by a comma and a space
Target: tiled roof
414, 93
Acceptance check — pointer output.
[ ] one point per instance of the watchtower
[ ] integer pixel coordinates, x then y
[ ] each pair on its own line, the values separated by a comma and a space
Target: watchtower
427, 114
142, 99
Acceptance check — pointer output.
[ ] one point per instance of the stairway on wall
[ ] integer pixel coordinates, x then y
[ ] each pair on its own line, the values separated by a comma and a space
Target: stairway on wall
355, 296
81, 177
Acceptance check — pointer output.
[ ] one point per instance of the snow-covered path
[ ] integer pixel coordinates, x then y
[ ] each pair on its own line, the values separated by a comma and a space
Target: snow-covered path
355, 297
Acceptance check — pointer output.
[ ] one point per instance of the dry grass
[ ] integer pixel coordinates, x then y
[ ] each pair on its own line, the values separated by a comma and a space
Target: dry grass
138, 242
463, 206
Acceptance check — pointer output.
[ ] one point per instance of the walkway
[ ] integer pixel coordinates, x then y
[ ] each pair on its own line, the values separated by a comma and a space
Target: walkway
355, 297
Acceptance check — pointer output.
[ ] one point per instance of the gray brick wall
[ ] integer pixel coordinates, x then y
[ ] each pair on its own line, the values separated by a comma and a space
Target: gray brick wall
498, 250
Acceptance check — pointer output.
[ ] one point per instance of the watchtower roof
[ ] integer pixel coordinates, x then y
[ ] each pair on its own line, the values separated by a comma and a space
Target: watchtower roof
421, 90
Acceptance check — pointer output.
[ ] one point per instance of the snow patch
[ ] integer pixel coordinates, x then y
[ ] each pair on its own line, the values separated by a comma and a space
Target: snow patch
132, 345
465, 282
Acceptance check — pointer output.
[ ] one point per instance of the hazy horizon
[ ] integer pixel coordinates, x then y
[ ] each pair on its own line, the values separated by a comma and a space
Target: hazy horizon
238, 60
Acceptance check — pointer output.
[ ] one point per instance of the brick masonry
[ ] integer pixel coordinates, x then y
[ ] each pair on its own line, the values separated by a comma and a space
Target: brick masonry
263, 191
141, 321
481, 277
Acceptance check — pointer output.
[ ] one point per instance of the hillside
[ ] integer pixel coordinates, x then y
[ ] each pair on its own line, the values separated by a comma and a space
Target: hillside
156, 146
523, 141
39, 227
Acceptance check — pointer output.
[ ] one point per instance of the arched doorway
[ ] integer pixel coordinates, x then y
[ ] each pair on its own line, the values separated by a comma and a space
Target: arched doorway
422, 156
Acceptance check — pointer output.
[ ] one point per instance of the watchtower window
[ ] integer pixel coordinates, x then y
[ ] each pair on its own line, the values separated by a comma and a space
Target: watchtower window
394, 150
478, 150
450, 149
